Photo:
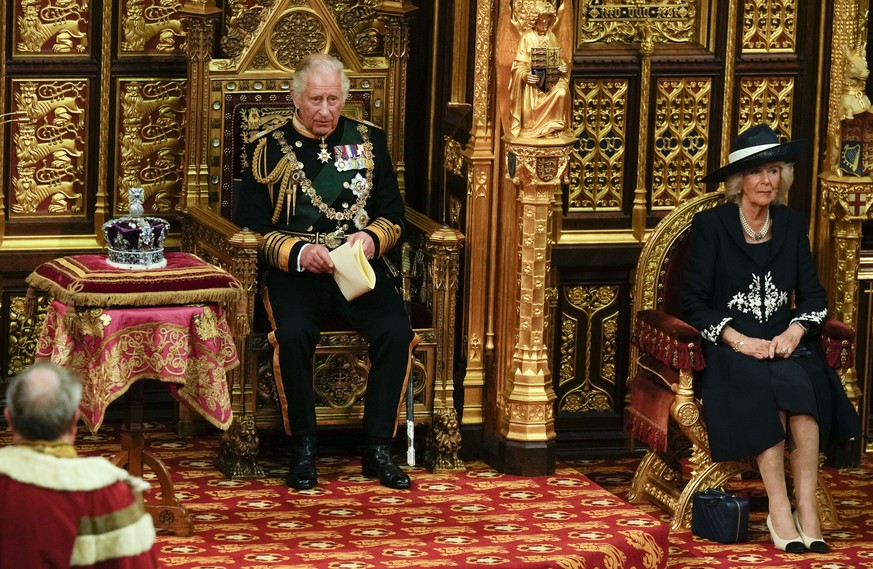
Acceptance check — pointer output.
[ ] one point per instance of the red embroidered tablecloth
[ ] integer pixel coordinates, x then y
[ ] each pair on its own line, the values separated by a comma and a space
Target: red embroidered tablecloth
190, 347
115, 326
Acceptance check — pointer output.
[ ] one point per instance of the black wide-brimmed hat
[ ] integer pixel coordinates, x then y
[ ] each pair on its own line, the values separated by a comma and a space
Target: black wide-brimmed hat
755, 146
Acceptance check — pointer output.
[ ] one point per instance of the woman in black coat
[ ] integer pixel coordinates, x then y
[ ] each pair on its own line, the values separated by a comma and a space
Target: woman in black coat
751, 289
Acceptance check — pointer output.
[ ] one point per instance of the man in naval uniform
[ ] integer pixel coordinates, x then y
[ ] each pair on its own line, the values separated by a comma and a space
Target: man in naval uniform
317, 181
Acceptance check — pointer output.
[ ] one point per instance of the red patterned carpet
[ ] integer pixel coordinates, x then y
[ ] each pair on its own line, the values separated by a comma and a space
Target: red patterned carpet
477, 518
851, 545
576, 518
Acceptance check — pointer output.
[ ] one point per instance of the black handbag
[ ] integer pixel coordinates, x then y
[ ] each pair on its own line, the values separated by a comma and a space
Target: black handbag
719, 516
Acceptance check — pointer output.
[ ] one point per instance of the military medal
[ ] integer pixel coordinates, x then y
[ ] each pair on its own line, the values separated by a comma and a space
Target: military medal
349, 157
323, 154
296, 178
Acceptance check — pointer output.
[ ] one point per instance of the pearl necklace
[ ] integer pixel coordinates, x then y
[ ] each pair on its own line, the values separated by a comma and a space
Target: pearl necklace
755, 235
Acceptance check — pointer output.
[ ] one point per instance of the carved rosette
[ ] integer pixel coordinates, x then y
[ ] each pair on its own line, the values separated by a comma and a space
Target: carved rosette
296, 34
340, 380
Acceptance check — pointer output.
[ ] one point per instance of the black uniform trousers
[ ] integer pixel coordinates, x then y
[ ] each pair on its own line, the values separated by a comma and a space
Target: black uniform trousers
297, 303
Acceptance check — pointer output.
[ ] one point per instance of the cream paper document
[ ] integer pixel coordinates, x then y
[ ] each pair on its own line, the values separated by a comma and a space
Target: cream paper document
352, 270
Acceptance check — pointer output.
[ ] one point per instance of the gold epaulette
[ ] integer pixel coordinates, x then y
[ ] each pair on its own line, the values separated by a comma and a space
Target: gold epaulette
266, 128
364, 122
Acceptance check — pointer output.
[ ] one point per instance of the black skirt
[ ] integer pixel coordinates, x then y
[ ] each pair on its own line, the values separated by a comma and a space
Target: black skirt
792, 388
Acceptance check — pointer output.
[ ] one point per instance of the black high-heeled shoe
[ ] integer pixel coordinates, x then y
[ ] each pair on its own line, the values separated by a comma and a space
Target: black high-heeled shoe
814, 544
377, 463
302, 474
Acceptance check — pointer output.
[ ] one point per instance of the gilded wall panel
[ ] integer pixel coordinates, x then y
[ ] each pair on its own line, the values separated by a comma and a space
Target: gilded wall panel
244, 17
151, 125
766, 100
48, 154
25, 322
151, 27
599, 120
769, 26
305, 27
587, 345
49, 28
682, 119
357, 22
668, 21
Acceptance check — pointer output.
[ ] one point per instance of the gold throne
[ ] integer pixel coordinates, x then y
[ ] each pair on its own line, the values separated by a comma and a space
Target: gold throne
664, 411
249, 90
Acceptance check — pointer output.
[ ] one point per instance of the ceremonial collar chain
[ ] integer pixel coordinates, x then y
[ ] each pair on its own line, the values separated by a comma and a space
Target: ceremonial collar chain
298, 176
755, 235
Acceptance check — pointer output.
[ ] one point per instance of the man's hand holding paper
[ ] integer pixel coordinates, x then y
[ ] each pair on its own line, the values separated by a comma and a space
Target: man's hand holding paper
352, 270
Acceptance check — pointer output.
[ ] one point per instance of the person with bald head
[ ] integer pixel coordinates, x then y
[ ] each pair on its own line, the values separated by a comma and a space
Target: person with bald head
59, 509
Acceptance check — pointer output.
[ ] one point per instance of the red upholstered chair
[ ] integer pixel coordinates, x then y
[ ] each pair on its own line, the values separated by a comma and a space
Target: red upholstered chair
664, 411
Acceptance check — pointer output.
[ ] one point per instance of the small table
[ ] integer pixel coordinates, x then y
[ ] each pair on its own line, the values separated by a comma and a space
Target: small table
111, 347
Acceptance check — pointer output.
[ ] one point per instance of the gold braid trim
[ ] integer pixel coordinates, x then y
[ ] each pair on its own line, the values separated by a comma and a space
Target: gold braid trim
388, 233
277, 248
283, 170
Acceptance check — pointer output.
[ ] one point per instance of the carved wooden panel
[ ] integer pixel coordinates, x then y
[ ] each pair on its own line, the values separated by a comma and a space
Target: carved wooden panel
47, 174
587, 348
150, 148
150, 27
599, 119
45, 28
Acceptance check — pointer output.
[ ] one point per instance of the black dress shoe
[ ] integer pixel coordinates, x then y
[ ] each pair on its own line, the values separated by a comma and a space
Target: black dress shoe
377, 463
302, 475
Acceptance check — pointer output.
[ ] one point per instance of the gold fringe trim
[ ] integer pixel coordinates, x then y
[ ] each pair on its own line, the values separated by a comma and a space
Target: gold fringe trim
78, 298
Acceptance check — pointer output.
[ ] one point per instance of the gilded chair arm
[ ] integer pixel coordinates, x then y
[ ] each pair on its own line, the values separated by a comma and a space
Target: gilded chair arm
669, 339
838, 343
223, 243
442, 245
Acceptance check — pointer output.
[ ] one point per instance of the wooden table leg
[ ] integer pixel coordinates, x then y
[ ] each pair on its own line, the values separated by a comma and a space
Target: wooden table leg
169, 514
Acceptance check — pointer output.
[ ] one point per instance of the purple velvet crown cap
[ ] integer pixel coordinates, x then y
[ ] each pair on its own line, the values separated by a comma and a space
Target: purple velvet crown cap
136, 242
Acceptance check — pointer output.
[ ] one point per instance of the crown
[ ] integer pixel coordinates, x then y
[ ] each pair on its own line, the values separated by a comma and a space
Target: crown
134, 241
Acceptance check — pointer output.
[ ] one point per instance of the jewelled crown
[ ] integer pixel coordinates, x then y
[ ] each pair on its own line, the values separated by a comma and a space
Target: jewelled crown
134, 241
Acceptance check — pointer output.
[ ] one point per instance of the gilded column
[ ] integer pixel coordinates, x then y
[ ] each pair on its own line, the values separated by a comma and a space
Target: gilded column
445, 438
535, 167
199, 18
638, 218
479, 265
846, 202
845, 199
395, 16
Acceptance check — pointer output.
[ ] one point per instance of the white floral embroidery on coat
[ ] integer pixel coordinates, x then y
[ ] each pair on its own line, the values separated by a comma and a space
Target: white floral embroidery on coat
760, 301
713, 332
817, 317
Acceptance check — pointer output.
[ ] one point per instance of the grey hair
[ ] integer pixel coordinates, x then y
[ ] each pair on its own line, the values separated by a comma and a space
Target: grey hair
319, 62
42, 401
733, 184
